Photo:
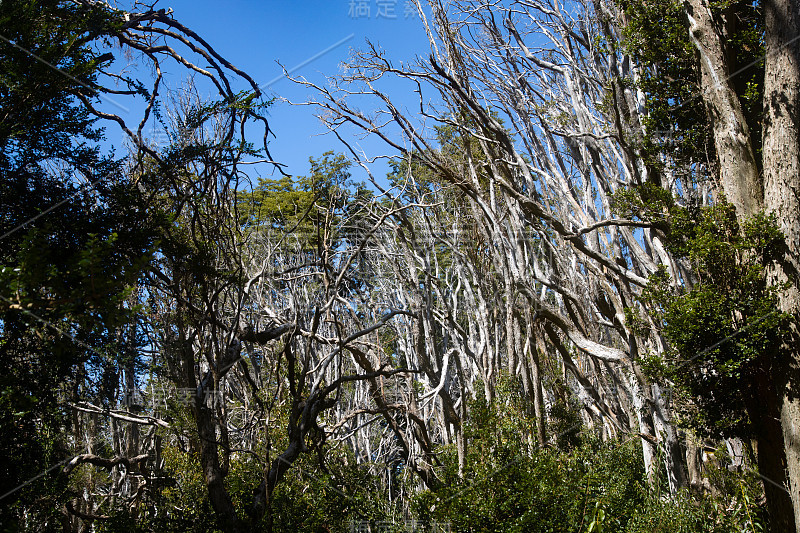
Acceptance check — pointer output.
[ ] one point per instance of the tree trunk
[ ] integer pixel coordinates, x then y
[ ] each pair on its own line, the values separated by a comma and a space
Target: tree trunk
538, 392
644, 416
206, 444
674, 455
763, 410
777, 193
782, 197
214, 478
738, 169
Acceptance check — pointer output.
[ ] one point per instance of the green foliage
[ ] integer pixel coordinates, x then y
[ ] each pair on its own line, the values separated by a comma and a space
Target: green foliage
564, 422
680, 515
307, 209
313, 498
724, 329
593, 486
646, 202
177, 502
310, 499
590, 486
65, 272
40, 119
506, 486
276, 203
66, 277
656, 35
734, 509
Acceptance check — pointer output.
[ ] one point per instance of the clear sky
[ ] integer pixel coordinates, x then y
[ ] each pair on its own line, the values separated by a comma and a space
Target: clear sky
256, 35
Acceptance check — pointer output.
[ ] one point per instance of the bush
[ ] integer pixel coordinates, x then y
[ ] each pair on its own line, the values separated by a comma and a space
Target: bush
591, 486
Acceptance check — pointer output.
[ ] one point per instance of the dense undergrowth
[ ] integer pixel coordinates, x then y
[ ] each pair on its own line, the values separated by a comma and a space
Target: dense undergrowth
577, 483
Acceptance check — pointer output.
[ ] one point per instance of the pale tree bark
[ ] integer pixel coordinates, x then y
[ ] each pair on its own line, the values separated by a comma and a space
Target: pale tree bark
739, 173
539, 185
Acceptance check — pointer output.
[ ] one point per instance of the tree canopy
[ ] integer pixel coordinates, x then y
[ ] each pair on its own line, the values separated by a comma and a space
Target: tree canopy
571, 305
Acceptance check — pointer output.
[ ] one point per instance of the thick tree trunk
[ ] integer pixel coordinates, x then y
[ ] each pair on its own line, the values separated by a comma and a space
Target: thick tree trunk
778, 192
206, 444
763, 410
698, 483
772, 468
738, 169
642, 406
782, 197
212, 470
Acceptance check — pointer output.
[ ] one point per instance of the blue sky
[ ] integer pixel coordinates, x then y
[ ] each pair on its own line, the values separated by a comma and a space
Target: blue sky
255, 36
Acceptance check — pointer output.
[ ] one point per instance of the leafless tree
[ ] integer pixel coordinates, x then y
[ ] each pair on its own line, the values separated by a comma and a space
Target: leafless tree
545, 132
